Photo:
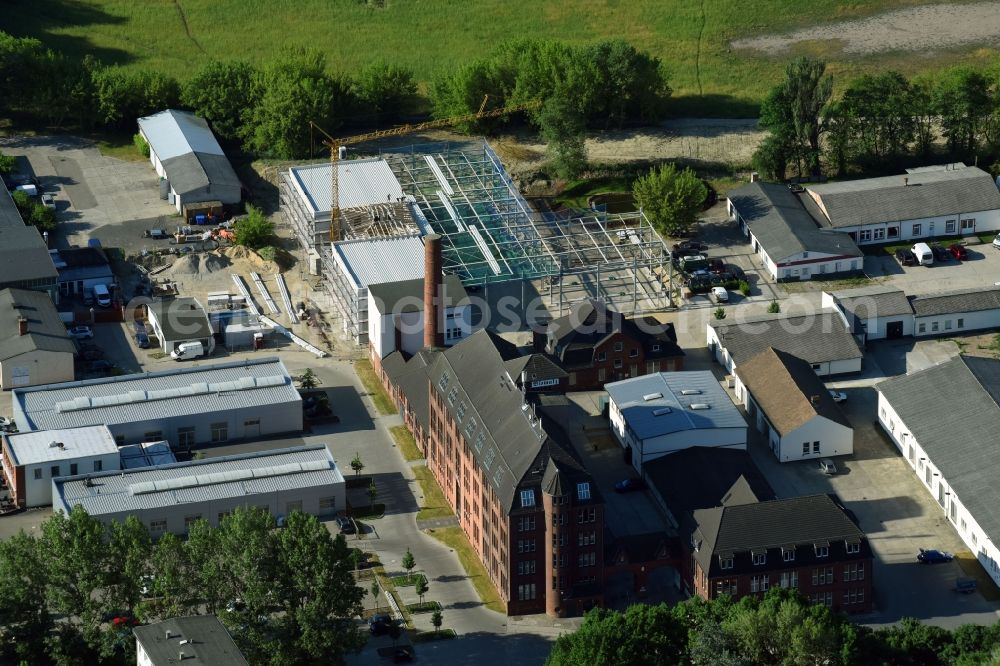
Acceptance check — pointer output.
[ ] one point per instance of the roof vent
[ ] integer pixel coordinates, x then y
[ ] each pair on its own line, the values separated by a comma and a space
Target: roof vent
691, 392
661, 411
652, 396
700, 405
56, 445
169, 634
181, 656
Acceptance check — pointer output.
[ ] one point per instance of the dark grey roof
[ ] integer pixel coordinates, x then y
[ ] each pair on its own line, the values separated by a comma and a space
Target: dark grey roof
390, 295
740, 527
208, 642
46, 330
79, 257
23, 256
788, 391
815, 338
509, 442
410, 377
875, 301
9, 215
783, 226
959, 435
195, 171
890, 199
181, 319
538, 366
956, 302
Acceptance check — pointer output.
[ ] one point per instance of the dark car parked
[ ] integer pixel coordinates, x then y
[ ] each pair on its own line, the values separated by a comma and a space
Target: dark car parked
716, 266
959, 251
932, 556
941, 253
346, 525
629, 485
906, 258
379, 624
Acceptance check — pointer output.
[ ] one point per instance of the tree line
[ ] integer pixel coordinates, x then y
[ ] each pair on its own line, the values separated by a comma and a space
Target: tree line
267, 108
782, 628
880, 123
71, 594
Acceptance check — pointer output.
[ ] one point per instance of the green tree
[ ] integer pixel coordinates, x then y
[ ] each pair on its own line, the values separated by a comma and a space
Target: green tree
720, 313
23, 586
385, 93
288, 93
408, 561
879, 107
130, 549
254, 230
963, 101
372, 492
308, 380
774, 307
437, 620
563, 129
7, 163
421, 588
808, 89
124, 95
641, 635
42, 218
670, 198
141, 146
221, 93
375, 591
780, 149
175, 587
356, 464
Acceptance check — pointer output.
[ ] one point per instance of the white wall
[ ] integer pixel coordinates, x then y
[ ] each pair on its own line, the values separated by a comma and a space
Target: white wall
930, 227
987, 552
834, 440
38, 492
838, 367
823, 265
949, 323
382, 331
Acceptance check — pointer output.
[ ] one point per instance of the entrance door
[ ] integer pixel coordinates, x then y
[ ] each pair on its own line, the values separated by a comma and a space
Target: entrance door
894, 329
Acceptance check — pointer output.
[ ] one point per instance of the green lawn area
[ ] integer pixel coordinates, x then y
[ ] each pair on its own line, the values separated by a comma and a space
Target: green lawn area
407, 445
425, 607
119, 146
366, 373
407, 580
708, 76
434, 505
578, 191
455, 538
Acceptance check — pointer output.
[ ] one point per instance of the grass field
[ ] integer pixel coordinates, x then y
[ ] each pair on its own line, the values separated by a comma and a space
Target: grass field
366, 373
434, 504
692, 38
407, 445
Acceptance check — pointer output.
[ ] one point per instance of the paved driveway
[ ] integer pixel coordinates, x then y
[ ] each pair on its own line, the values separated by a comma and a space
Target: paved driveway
899, 517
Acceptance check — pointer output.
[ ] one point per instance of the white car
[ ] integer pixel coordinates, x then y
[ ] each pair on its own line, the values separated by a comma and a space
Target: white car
838, 396
49, 201
720, 294
996, 241
81, 332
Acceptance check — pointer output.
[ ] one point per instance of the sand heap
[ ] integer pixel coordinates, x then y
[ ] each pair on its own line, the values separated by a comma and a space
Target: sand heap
200, 264
245, 259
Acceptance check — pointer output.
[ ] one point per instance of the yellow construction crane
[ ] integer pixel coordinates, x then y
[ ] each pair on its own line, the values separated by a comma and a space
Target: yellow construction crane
336, 144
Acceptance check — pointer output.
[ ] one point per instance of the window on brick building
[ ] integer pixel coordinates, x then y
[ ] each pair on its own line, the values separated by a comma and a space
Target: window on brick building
583, 491
527, 498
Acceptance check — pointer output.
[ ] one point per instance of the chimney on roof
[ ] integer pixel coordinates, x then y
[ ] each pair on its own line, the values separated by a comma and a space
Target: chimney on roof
906, 181
433, 324
169, 635
22, 326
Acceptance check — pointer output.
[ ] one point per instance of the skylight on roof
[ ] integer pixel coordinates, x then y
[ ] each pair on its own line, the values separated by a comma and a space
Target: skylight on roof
700, 405
661, 411
691, 392
652, 396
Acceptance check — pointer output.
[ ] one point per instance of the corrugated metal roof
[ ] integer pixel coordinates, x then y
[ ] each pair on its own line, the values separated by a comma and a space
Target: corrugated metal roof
664, 403
956, 302
133, 490
815, 338
172, 133
29, 448
382, 260
361, 183
99, 401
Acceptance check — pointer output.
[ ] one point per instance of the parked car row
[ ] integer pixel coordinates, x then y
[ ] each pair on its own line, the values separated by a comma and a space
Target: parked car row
927, 254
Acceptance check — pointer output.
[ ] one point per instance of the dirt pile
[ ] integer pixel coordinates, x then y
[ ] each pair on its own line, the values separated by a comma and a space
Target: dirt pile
246, 260
200, 264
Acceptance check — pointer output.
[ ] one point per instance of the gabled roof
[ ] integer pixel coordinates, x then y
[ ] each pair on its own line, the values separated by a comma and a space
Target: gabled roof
959, 435
956, 302
668, 402
815, 338
181, 319
788, 391
741, 527
537, 367
24, 256
360, 183
46, 331
914, 196
202, 638
590, 322
410, 377
875, 301
783, 226
381, 260
188, 151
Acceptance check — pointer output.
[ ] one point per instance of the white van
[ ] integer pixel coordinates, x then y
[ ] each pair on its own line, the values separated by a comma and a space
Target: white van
102, 295
187, 350
923, 253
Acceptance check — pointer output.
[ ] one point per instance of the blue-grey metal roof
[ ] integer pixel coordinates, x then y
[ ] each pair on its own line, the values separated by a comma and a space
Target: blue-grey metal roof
146, 396
382, 260
226, 477
173, 133
661, 403
361, 183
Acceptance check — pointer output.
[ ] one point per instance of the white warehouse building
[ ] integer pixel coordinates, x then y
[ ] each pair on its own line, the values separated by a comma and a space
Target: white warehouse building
186, 406
951, 444
169, 498
659, 414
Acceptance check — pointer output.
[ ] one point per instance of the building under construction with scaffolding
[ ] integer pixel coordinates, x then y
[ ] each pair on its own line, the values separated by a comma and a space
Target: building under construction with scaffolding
489, 233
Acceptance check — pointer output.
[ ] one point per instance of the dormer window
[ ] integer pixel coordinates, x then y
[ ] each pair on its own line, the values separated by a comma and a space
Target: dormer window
725, 561
822, 549
853, 547
788, 553
602, 356
527, 498
656, 348
759, 558
583, 491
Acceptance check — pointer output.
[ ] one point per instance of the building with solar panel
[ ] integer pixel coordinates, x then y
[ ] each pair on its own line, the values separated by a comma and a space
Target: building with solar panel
170, 498
186, 406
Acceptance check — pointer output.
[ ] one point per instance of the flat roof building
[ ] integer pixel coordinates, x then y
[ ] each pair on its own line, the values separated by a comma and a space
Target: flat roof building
31, 460
186, 406
658, 414
179, 320
196, 640
168, 498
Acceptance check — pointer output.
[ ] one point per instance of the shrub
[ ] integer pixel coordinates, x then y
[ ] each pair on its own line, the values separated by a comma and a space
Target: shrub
774, 307
744, 287
720, 313
140, 144
268, 252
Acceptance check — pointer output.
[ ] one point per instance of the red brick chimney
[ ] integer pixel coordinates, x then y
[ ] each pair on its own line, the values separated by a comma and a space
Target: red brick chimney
433, 331
22, 326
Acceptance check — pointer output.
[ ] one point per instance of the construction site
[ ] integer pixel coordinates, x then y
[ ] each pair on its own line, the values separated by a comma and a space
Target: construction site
491, 238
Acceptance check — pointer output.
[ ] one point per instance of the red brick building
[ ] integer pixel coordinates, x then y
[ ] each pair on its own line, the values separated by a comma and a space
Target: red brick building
528, 506
744, 547
595, 344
